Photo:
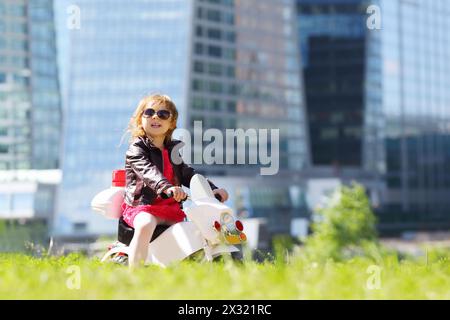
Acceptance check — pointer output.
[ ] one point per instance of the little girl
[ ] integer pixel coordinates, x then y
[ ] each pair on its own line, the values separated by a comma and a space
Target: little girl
151, 175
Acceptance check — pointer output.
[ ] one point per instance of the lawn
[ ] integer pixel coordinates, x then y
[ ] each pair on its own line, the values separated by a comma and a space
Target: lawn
78, 277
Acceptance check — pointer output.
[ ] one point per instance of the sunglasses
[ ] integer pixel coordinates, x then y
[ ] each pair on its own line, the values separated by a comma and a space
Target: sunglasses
162, 114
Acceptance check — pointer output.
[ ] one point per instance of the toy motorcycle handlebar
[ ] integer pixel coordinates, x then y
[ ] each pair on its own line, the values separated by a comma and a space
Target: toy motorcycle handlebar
170, 195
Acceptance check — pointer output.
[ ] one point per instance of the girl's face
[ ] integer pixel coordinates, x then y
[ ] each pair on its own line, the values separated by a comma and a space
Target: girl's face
156, 120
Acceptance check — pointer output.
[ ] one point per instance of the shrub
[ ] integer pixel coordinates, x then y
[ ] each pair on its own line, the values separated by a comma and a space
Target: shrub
22, 237
345, 227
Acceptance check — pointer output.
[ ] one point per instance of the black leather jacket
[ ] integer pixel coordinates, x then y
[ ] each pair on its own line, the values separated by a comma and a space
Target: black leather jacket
144, 167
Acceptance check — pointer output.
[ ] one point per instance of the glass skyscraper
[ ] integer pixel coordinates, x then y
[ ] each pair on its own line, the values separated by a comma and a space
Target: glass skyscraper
216, 59
30, 111
377, 104
416, 100
121, 51
342, 84
246, 74
30, 115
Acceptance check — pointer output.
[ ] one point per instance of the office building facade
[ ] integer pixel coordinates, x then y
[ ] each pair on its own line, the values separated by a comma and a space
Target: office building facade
116, 53
30, 116
377, 107
30, 111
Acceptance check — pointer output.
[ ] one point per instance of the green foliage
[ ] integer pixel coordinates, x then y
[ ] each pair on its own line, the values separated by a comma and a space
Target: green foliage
345, 227
15, 237
437, 254
2, 227
282, 247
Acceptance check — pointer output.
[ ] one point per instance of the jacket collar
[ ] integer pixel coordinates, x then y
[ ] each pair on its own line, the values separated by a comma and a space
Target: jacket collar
168, 145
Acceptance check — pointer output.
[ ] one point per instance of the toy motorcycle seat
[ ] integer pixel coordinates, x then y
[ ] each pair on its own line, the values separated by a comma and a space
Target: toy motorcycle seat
125, 232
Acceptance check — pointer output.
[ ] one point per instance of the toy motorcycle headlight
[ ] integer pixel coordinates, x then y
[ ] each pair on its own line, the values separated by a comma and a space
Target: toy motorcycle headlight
226, 218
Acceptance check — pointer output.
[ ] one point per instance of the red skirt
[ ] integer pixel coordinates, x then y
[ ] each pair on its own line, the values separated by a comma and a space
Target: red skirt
167, 209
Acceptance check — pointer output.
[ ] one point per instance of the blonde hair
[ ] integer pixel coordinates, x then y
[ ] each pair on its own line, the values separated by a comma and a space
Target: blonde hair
155, 100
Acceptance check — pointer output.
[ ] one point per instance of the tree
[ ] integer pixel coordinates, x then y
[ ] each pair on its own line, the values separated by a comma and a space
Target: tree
345, 226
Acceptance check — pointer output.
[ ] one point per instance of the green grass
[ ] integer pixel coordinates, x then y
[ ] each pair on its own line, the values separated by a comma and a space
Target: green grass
26, 277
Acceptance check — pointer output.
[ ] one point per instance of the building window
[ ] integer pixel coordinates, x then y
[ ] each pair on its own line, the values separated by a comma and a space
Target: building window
353, 131
213, 15
199, 48
199, 31
200, 13
79, 226
198, 67
215, 105
230, 54
215, 87
215, 51
231, 72
228, 18
214, 34
198, 85
231, 106
17, 10
215, 69
329, 133
230, 36
198, 103
233, 89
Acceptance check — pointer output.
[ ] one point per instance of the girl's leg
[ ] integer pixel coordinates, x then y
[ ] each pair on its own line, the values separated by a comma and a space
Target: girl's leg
144, 226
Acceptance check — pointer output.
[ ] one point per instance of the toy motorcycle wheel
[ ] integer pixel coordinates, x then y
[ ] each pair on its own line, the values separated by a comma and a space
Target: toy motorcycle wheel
117, 253
121, 259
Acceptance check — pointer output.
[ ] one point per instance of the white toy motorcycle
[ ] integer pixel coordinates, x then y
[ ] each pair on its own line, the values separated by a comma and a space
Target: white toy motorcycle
210, 227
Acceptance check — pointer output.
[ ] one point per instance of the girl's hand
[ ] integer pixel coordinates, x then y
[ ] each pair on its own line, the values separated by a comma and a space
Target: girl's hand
178, 193
223, 194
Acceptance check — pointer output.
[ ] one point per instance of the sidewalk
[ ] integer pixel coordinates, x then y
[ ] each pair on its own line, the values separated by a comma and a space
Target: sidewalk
415, 242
